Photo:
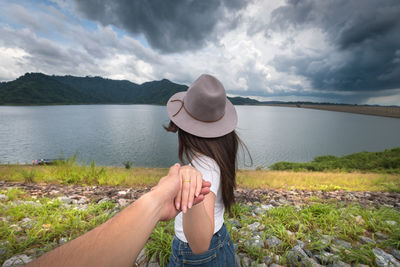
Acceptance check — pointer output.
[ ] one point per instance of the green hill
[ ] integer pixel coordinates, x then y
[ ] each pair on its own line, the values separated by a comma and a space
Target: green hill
41, 89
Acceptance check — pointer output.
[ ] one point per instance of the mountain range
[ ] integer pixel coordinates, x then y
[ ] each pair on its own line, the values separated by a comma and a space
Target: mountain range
42, 89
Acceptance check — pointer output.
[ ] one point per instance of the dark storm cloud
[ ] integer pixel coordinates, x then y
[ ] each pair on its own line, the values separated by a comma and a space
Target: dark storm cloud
364, 34
169, 26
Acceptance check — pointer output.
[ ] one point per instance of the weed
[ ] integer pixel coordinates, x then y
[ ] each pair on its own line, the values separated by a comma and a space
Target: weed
159, 245
28, 175
128, 164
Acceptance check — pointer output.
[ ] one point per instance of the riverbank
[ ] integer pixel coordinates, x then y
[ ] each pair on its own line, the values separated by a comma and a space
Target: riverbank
392, 111
72, 173
270, 227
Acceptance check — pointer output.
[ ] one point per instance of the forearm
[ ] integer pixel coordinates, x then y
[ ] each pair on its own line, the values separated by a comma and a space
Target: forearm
198, 228
117, 242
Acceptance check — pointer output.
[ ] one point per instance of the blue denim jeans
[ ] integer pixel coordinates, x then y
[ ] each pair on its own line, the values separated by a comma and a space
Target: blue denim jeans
220, 253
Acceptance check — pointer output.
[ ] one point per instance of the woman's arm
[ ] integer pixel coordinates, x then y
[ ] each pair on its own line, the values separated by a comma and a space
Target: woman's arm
198, 224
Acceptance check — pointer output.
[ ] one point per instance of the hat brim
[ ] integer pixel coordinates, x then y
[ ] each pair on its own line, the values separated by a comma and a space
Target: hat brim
202, 129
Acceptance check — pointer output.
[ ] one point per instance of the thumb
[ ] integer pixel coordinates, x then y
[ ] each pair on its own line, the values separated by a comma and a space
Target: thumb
174, 170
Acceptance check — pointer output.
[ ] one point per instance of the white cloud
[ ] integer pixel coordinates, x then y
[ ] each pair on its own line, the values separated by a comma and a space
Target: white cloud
12, 63
249, 59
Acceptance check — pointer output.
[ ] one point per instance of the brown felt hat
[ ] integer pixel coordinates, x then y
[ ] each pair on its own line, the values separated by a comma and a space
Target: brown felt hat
203, 110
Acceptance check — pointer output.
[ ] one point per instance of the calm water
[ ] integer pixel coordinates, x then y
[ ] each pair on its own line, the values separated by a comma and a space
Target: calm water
112, 134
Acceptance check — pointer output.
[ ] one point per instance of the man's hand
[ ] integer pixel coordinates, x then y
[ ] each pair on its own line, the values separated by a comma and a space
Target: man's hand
169, 187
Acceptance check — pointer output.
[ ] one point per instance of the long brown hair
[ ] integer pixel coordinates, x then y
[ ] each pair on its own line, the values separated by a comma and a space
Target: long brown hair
221, 149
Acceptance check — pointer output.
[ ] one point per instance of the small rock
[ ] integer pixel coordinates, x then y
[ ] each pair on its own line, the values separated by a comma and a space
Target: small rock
392, 223
253, 227
384, 259
27, 223
381, 235
104, 200
3, 251
300, 243
275, 265
15, 227
62, 240
395, 253
340, 264
122, 202
17, 260
246, 262
262, 265
296, 256
141, 258
342, 243
308, 252
82, 201
366, 240
326, 257
273, 241
255, 242
236, 223
275, 258
267, 260
121, 193
3, 197
267, 207
237, 261
65, 200
259, 211
327, 237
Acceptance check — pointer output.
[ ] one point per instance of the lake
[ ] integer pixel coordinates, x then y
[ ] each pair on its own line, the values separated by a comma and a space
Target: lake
113, 134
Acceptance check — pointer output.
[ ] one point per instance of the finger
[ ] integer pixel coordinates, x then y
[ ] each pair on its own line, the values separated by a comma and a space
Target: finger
205, 184
174, 170
198, 199
205, 190
192, 191
178, 198
185, 194
199, 181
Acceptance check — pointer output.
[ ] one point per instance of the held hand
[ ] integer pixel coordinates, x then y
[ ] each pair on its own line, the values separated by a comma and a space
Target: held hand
168, 187
192, 183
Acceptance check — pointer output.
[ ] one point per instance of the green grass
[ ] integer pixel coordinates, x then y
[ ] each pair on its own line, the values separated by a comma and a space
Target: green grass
53, 220
387, 161
74, 173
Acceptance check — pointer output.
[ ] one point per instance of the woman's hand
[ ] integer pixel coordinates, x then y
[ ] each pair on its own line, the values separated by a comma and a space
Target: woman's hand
192, 181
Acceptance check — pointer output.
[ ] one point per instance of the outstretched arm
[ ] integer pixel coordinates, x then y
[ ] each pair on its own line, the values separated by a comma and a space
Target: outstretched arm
118, 241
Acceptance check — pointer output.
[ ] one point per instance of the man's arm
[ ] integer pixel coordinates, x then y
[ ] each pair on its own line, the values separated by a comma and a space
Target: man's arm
118, 241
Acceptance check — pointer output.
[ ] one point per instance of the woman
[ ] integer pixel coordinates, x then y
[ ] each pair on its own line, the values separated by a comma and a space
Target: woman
205, 121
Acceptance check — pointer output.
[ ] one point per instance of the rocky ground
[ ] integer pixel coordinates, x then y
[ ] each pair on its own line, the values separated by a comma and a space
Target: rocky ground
259, 200
275, 197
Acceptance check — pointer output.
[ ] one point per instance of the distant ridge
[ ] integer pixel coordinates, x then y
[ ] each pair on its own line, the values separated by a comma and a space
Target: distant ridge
42, 89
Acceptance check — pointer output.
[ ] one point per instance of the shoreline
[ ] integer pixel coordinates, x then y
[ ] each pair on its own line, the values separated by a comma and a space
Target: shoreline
380, 111
391, 112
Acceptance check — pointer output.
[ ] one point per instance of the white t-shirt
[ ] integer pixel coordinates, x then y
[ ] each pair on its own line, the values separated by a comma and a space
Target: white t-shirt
211, 172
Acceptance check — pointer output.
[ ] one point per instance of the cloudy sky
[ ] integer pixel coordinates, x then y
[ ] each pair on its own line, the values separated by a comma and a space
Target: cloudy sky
345, 51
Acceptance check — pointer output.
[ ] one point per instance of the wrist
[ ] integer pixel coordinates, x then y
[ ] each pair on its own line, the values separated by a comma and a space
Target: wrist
156, 200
